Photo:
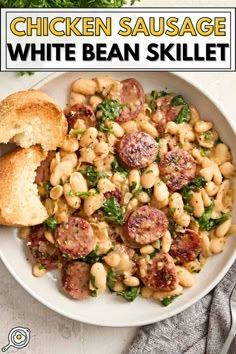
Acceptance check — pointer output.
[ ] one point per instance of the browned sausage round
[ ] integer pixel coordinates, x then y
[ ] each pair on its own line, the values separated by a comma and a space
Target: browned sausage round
138, 149
145, 225
75, 237
161, 273
80, 111
132, 97
43, 171
166, 111
186, 247
177, 169
75, 280
43, 251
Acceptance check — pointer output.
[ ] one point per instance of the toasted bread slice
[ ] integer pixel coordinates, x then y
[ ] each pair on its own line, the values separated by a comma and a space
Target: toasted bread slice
20, 204
32, 117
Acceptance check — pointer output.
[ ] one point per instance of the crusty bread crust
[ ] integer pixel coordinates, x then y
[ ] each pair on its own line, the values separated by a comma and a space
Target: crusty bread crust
30, 118
20, 204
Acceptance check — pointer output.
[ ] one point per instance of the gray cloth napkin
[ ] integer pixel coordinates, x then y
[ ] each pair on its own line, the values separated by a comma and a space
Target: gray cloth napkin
201, 329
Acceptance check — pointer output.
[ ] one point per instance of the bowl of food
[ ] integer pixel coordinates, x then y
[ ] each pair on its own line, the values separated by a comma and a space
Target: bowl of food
122, 193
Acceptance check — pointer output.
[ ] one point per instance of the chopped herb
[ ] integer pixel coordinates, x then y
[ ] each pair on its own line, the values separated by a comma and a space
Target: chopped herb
153, 254
129, 293
194, 270
77, 132
185, 113
51, 223
65, 256
24, 73
61, 182
111, 279
148, 191
154, 96
118, 166
194, 185
92, 257
47, 186
92, 280
113, 211
205, 221
93, 293
168, 300
107, 110
206, 135
183, 116
81, 194
178, 101
203, 151
92, 175
188, 208
41, 266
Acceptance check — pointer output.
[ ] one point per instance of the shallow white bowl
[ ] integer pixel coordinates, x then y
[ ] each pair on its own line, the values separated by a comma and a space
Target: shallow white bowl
109, 309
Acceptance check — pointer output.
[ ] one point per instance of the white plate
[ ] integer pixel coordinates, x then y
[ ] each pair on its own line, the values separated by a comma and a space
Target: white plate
109, 309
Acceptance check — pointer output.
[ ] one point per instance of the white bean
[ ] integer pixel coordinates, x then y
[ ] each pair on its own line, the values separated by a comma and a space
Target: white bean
150, 175
166, 242
183, 220
223, 229
146, 249
131, 281
100, 276
186, 279
49, 236
56, 192
93, 203
112, 259
61, 172
130, 126
103, 82
86, 87
176, 204
205, 244
87, 155
161, 193
197, 203
105, 185
217, 176
72, 200
134, 179
146, 292
160, 295
38, 270
202, 126
94, 101
117, 129
217, 245
172, 128
143, 197
78, 183
228, 169
207, 173
221, 154
211, 189
76, 98
88, 137
194, 115
149, 129
101, 149
205, 197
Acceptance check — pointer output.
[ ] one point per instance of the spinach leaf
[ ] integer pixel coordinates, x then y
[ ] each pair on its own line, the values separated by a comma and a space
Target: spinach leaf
194, 185
168, 300
129, 293
111, 279
113, 211
178, 101
183, 116
185, 113
47, 187
51, 223
107, 110
118, 166
154, 97
92, 175
92, 257
205, 221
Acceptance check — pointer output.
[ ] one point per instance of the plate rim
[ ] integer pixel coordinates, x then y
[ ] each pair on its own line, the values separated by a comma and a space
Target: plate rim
162, 317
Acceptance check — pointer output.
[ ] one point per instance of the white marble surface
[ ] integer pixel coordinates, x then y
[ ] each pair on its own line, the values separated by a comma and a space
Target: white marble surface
52, 333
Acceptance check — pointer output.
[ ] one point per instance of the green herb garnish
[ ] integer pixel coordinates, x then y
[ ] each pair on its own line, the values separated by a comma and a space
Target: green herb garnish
185, 113
205, 221
92, 175
194, 185
111, 279
118, 166
108, 110
154, 97
47, 186
129, 293
168, 300
93, 257
113, 211
50, 223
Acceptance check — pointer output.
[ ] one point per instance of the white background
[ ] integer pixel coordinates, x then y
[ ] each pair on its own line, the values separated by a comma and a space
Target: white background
52, 333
